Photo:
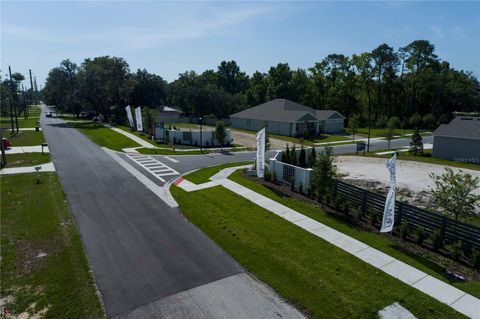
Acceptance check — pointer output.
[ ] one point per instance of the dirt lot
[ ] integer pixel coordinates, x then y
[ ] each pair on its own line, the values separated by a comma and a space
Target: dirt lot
413, 178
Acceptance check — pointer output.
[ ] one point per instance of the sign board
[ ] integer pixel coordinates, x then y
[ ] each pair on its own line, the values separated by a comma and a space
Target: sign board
389, 210
138, 118
361, 146
129, 116
260, 152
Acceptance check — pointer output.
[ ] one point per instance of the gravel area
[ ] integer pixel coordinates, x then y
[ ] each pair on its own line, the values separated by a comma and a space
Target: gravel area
411, 175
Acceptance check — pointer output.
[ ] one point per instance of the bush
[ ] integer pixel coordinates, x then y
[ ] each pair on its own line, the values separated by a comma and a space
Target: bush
274, 177
338, 203
300, 188
267, 176
381, 122
311, 191
373, 216
475, 258
404, 229
292, 183
420, 235
437, 241
359, 213
456, 250
347, 207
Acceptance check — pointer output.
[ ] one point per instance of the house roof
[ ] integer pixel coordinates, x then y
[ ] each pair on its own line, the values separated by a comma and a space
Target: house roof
461, 127
283, 110
165, 108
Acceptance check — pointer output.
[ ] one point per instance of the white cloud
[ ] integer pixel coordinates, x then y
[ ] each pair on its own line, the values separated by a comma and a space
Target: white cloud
192, 25
25, 32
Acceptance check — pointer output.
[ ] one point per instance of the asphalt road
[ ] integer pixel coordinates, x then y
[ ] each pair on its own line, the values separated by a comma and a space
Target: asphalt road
140, 250
186, 163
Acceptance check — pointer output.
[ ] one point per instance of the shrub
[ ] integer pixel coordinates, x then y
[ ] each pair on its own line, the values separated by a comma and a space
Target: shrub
267, 176
338, 203
300, 188
373, 216
292, 183
456, 250
420, 235
437, 241
359, 213
475, 258
311, 191
404, 229
274, 177
346, 207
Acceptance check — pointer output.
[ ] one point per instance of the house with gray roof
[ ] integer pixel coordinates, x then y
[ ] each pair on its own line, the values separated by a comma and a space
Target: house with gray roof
285, 117
458, 140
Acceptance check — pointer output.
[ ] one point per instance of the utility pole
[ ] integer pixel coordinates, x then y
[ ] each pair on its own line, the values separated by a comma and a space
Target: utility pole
13, 106
31, 86
36, 91
25, 109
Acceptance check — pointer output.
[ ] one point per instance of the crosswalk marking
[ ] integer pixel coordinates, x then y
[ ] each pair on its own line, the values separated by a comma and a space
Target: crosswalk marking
153, 166
171, 159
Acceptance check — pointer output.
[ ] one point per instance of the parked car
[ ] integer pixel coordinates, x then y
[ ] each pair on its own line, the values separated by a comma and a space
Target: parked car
48, 114
6, 142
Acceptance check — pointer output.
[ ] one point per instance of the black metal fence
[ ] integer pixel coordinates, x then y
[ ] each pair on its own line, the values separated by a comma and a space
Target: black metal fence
450, 230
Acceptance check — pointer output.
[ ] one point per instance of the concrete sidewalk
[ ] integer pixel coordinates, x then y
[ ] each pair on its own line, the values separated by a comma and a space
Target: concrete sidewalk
134, 138
26, 149
455, 298
48, 167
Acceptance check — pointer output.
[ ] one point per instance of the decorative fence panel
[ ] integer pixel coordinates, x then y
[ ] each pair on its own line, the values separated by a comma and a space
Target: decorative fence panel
450, 230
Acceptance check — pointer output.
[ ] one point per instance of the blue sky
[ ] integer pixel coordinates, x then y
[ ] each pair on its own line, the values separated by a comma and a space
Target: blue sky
168, 38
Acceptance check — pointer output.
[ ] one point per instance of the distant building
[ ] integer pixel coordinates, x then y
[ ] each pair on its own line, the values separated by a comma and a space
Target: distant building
458, 140
285, 117
168, 114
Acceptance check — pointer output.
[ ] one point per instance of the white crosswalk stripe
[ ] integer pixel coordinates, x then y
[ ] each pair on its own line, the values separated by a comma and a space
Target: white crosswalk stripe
153, 166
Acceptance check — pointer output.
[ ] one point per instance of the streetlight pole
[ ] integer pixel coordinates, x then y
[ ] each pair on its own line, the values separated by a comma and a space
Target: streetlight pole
201, 135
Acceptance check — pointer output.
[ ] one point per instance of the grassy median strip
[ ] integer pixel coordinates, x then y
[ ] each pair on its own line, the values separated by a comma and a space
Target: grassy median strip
44, 268
319, 278
104, 136
203, 175
372, 239
163, 151
27, 159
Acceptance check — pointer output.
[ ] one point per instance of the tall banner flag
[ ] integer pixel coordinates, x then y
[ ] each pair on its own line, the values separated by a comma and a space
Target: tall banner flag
261, 152
138, 117
389, 210
129, 115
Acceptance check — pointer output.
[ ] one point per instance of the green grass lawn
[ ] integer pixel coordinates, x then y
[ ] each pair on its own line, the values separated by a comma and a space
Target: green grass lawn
25, 138
104, 136
373, 239
317, 277
381, 132
27, 159
189, 125
22, 123
162, 151
143, 136
426, 157
322, 138
36, 220
203, 175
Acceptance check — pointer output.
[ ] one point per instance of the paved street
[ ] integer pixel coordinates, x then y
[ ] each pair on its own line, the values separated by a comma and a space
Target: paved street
140, 249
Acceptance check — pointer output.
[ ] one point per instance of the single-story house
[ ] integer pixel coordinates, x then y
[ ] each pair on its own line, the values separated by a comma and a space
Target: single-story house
285, 117
168, 114
458, 140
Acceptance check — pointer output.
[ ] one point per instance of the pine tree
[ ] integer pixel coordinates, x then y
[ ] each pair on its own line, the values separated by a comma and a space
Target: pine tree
286, 155
293, 156
416, 145
302, 161
312, 157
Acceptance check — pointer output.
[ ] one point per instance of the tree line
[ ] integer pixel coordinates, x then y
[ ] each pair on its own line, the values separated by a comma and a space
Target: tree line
374, 86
